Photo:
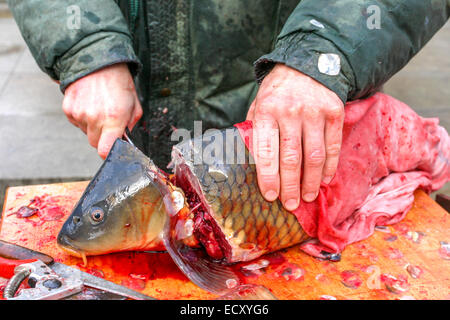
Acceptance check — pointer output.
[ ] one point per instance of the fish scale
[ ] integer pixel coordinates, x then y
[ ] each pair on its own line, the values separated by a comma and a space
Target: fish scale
250, 225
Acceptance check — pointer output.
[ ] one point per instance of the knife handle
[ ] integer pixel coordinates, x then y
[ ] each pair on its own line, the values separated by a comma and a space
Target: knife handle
14, 251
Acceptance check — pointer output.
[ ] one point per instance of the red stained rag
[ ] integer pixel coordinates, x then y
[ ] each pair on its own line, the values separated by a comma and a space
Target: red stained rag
388, 151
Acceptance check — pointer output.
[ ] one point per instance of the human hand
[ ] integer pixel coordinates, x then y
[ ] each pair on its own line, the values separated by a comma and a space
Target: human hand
102, 104
291, 108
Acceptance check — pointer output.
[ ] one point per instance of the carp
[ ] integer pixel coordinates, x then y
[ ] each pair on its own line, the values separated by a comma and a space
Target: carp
213, 206
119, 210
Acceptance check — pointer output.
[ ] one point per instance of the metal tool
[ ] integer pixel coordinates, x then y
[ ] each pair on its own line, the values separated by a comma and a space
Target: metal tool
126, 136
44, 282
53, 280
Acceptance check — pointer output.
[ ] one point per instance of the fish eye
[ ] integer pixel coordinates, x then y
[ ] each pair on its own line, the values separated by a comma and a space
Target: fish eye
97, 214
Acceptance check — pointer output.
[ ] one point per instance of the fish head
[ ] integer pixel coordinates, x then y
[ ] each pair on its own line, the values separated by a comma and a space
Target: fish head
121, 208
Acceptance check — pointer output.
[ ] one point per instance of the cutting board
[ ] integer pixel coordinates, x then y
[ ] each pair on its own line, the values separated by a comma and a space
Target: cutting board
408, 260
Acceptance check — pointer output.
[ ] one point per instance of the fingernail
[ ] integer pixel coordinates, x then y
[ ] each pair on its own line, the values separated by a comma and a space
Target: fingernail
327, 179
308, 197
271, 195
291, 204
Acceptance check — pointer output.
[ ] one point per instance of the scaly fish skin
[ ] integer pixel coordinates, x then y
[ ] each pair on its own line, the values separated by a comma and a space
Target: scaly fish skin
236, 223
120, 209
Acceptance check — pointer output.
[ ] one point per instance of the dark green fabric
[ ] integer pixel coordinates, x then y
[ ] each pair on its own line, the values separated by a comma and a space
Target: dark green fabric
69, 54
369, 57
196, 58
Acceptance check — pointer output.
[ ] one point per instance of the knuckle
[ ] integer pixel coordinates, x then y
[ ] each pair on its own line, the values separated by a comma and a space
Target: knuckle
78, 115
330, 170
267, 168
117, 111
93, 142
293, 111
265, 152
92, 116
265, 106
335, 112
290, 160
333, 150
316, 158
67, 107
139, 113
264, 162
313, 113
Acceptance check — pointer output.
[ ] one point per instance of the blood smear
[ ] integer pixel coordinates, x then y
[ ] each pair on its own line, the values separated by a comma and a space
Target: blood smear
444, 250
414, 271
327, 297
395, 285
351, 279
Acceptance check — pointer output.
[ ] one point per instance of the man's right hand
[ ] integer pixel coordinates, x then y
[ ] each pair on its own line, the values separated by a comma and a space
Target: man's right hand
102, 104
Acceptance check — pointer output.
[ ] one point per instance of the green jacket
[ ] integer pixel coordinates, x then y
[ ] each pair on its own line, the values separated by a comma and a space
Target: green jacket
195, 59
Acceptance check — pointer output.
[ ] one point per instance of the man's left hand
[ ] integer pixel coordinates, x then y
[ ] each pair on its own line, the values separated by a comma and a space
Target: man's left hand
295, 119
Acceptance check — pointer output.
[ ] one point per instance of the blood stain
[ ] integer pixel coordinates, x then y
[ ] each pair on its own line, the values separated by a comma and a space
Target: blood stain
390, 238
415, 236
351, 279
393, 253
394, 284
96, 272
414, 271
138, 276
25, 212
135, 284
327, 297
401, 227
444, 250
289, 271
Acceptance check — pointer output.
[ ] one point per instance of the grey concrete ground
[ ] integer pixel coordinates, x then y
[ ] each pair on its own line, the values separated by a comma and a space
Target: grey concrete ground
38, 144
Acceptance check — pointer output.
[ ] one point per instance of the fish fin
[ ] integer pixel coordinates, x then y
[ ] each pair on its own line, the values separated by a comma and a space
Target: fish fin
248, 292
210, 275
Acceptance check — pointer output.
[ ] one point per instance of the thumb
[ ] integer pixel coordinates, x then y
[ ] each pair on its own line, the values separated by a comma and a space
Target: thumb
107, 139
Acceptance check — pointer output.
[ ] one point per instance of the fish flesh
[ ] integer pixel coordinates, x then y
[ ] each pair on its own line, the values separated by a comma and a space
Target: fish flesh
210, 213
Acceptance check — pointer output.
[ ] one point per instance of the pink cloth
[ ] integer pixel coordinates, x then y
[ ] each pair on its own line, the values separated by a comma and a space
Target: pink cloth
388, 151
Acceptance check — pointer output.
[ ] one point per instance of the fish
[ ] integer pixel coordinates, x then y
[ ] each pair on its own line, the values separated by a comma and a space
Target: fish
120, 209
207, 215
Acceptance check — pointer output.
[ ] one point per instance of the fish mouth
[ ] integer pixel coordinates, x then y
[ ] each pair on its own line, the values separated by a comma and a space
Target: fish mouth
66, 245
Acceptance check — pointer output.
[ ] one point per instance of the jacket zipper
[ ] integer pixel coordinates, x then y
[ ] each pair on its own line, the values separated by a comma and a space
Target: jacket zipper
134, 11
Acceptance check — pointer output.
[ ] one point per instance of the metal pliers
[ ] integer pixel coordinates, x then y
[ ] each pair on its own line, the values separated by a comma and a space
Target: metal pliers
49, 280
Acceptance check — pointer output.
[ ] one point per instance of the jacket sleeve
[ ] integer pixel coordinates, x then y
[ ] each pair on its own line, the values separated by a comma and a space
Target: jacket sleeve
354, 46
70, 39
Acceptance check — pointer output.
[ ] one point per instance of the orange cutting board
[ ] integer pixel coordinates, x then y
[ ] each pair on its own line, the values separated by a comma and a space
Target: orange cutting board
402, 261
